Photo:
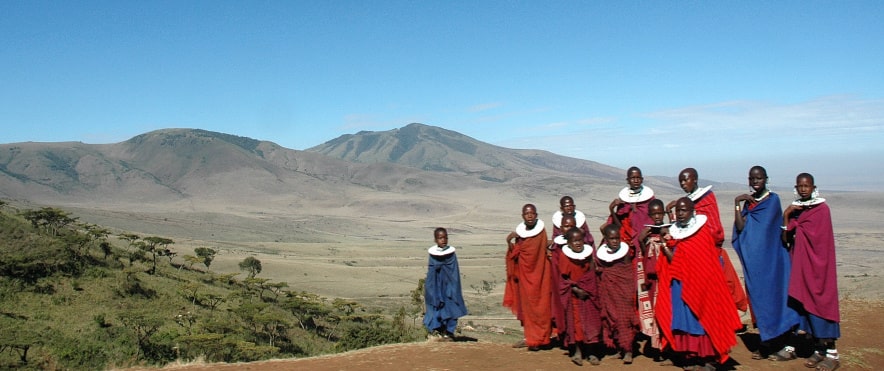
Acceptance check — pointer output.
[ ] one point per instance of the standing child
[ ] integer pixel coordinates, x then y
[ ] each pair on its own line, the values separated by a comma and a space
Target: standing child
706, 204
630, 209
568, 208
578, 294
555, 254
694, 308
528, 291
766, 265
442, 291
813, 283
617, 293
646, 267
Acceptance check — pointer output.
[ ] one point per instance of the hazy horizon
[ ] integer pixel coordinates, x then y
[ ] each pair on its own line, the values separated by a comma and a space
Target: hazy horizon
790, 85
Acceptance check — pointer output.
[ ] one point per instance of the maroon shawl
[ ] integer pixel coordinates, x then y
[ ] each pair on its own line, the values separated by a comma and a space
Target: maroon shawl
814, 281
617, 289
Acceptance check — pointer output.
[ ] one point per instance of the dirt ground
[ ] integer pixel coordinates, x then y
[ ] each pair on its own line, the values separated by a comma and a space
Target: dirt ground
861, 347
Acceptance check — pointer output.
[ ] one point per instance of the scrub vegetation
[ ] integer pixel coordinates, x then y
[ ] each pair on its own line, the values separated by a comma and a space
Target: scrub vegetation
76, 296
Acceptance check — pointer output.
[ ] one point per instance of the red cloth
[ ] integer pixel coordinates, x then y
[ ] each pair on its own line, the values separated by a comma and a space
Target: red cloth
814, 279
582, 322
696, 264
633, 218
557, 309
528, 288
617, 289
708, 205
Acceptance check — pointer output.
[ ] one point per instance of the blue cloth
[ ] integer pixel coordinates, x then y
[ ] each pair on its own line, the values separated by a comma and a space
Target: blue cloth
819, 327
683, 319
442, 294
766, 267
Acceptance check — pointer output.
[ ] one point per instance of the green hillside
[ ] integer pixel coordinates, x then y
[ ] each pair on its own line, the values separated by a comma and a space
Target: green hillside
75, 296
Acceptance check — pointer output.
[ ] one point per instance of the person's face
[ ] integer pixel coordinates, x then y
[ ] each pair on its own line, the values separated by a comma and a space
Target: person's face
529, 216
568, 223
567, 206
634, 179
804, 186
575, 242
613, 238
441, 239
656, 213
683, 211
757, 179
687, 181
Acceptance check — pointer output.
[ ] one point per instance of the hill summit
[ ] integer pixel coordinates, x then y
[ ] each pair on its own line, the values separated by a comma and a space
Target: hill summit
436, 149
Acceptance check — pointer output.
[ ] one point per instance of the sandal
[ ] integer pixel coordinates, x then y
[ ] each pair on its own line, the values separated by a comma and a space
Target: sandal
577, 360
828, 364
814, 359
595, 361
520, 344
782, 355
757, 355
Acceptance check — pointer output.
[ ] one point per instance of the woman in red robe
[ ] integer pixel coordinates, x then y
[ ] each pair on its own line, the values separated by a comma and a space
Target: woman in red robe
694, 308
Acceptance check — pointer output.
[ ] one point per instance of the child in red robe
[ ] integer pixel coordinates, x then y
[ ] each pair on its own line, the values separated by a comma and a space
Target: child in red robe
566, 222
706, 204
694, 310
578, 294
528, 291
617, 291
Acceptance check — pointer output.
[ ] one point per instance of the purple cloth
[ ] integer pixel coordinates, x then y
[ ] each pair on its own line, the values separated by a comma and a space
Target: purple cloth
814, 281
766, 267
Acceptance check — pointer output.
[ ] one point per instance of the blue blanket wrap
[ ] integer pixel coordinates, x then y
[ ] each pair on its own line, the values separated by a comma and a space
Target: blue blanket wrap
442, 294
766, 266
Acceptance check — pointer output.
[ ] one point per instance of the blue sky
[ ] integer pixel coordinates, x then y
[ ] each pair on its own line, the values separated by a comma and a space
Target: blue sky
720, 86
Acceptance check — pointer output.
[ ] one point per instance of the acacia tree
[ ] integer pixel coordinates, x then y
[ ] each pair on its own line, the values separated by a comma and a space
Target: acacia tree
250, 265
156, 246
51, 218
206, 254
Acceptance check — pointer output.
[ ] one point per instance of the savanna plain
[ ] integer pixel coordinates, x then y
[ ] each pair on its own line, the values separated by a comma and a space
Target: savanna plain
373, 250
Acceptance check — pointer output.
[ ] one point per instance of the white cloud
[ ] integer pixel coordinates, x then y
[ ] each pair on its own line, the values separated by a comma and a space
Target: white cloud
724, 139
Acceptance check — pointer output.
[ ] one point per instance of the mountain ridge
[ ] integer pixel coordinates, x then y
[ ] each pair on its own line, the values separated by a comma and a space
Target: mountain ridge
169, 165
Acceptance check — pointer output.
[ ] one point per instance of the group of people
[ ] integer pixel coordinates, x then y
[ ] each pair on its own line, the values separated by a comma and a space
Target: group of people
669, 283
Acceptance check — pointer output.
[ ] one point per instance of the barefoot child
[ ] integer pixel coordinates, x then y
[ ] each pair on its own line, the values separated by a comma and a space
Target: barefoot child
442, 290
617, 292
528, 291
813, 283
578, 294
